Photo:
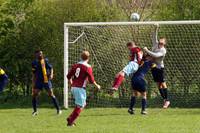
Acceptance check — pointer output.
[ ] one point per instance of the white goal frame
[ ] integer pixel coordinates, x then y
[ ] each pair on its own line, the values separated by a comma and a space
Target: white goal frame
66, 41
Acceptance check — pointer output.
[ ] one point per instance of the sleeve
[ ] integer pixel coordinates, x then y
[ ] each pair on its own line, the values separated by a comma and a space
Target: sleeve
157, 54
155, 40
90, 75
139, 55
2, 72
49, 66
71, 72
34, 66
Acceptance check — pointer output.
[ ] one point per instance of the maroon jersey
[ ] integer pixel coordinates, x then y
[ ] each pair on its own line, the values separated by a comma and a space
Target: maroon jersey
136, 54
80, 74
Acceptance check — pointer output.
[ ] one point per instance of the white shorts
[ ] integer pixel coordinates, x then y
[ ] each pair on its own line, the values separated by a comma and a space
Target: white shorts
130, 68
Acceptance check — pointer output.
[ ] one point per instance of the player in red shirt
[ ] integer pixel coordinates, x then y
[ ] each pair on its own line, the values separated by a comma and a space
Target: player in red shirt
78, 77
133, 65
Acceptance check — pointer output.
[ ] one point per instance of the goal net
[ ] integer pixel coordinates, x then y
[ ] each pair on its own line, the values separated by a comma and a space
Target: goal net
107, 44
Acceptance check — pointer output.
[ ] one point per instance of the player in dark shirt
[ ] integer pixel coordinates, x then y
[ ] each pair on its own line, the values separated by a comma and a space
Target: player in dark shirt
139, 84
3, 79
42, 76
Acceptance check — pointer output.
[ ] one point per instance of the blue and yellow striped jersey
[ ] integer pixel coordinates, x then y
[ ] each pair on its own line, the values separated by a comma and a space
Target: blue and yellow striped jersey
41, 70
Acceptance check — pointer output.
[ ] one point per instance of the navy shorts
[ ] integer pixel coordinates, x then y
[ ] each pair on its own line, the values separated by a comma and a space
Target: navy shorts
3, 84
40, 85
158, 74
139, 84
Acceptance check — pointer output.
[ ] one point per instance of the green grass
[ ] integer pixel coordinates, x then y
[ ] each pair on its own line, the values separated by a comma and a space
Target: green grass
101, 120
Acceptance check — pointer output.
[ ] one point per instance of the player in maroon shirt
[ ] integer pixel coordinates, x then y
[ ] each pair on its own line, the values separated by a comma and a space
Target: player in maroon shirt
133, 65
78, 77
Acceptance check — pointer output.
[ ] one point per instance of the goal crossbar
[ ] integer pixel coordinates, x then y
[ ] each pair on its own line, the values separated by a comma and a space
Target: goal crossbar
132, 23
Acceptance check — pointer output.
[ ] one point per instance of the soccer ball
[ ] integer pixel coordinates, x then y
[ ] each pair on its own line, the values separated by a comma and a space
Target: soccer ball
135, 17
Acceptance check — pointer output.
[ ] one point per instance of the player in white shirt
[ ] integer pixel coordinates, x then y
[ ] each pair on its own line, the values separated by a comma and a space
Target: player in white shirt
158, 53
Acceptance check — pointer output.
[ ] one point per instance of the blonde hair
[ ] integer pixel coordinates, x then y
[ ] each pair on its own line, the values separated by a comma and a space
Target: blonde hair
85, 55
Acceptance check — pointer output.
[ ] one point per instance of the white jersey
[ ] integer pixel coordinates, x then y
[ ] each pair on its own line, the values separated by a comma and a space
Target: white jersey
157, 53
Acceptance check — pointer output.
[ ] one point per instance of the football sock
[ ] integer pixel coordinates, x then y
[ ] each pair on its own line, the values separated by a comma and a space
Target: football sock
118, 81
165, 93
132, 104
74, 115
34, 104
162, 93
144, 104
55, 102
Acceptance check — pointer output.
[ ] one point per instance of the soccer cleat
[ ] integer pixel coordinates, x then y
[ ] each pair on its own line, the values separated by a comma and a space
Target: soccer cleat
35, 113
144, 112
71, 125
59, 112
131, 111
166, 104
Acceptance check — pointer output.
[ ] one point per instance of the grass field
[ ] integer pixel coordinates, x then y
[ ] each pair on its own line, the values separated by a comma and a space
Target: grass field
101, 120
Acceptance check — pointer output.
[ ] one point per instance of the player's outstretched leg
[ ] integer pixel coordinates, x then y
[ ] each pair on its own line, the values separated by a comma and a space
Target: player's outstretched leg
118, 80
128, 70
54, 101
144, 103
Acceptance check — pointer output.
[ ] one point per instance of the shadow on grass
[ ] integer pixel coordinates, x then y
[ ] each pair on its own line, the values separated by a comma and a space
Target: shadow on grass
24, 103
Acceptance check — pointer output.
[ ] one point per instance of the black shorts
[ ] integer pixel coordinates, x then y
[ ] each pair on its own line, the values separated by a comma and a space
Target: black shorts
158, 74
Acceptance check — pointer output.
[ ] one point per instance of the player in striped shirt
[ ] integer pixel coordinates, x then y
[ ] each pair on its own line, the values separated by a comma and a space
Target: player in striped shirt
78, 77
41, 79
158, 53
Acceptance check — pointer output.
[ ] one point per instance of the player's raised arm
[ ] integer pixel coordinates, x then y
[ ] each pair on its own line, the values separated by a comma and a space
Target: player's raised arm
155, 54
155, 38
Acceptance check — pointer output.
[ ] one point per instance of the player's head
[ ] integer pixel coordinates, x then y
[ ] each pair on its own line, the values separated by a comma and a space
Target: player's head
39, 54
85, 55
130, 45
162, 42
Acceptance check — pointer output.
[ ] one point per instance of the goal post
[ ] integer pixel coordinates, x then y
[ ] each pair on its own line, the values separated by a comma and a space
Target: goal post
105, 41
66, 54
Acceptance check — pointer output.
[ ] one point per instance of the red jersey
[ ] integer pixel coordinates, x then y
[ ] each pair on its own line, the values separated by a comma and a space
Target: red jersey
136, 54
80, 74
